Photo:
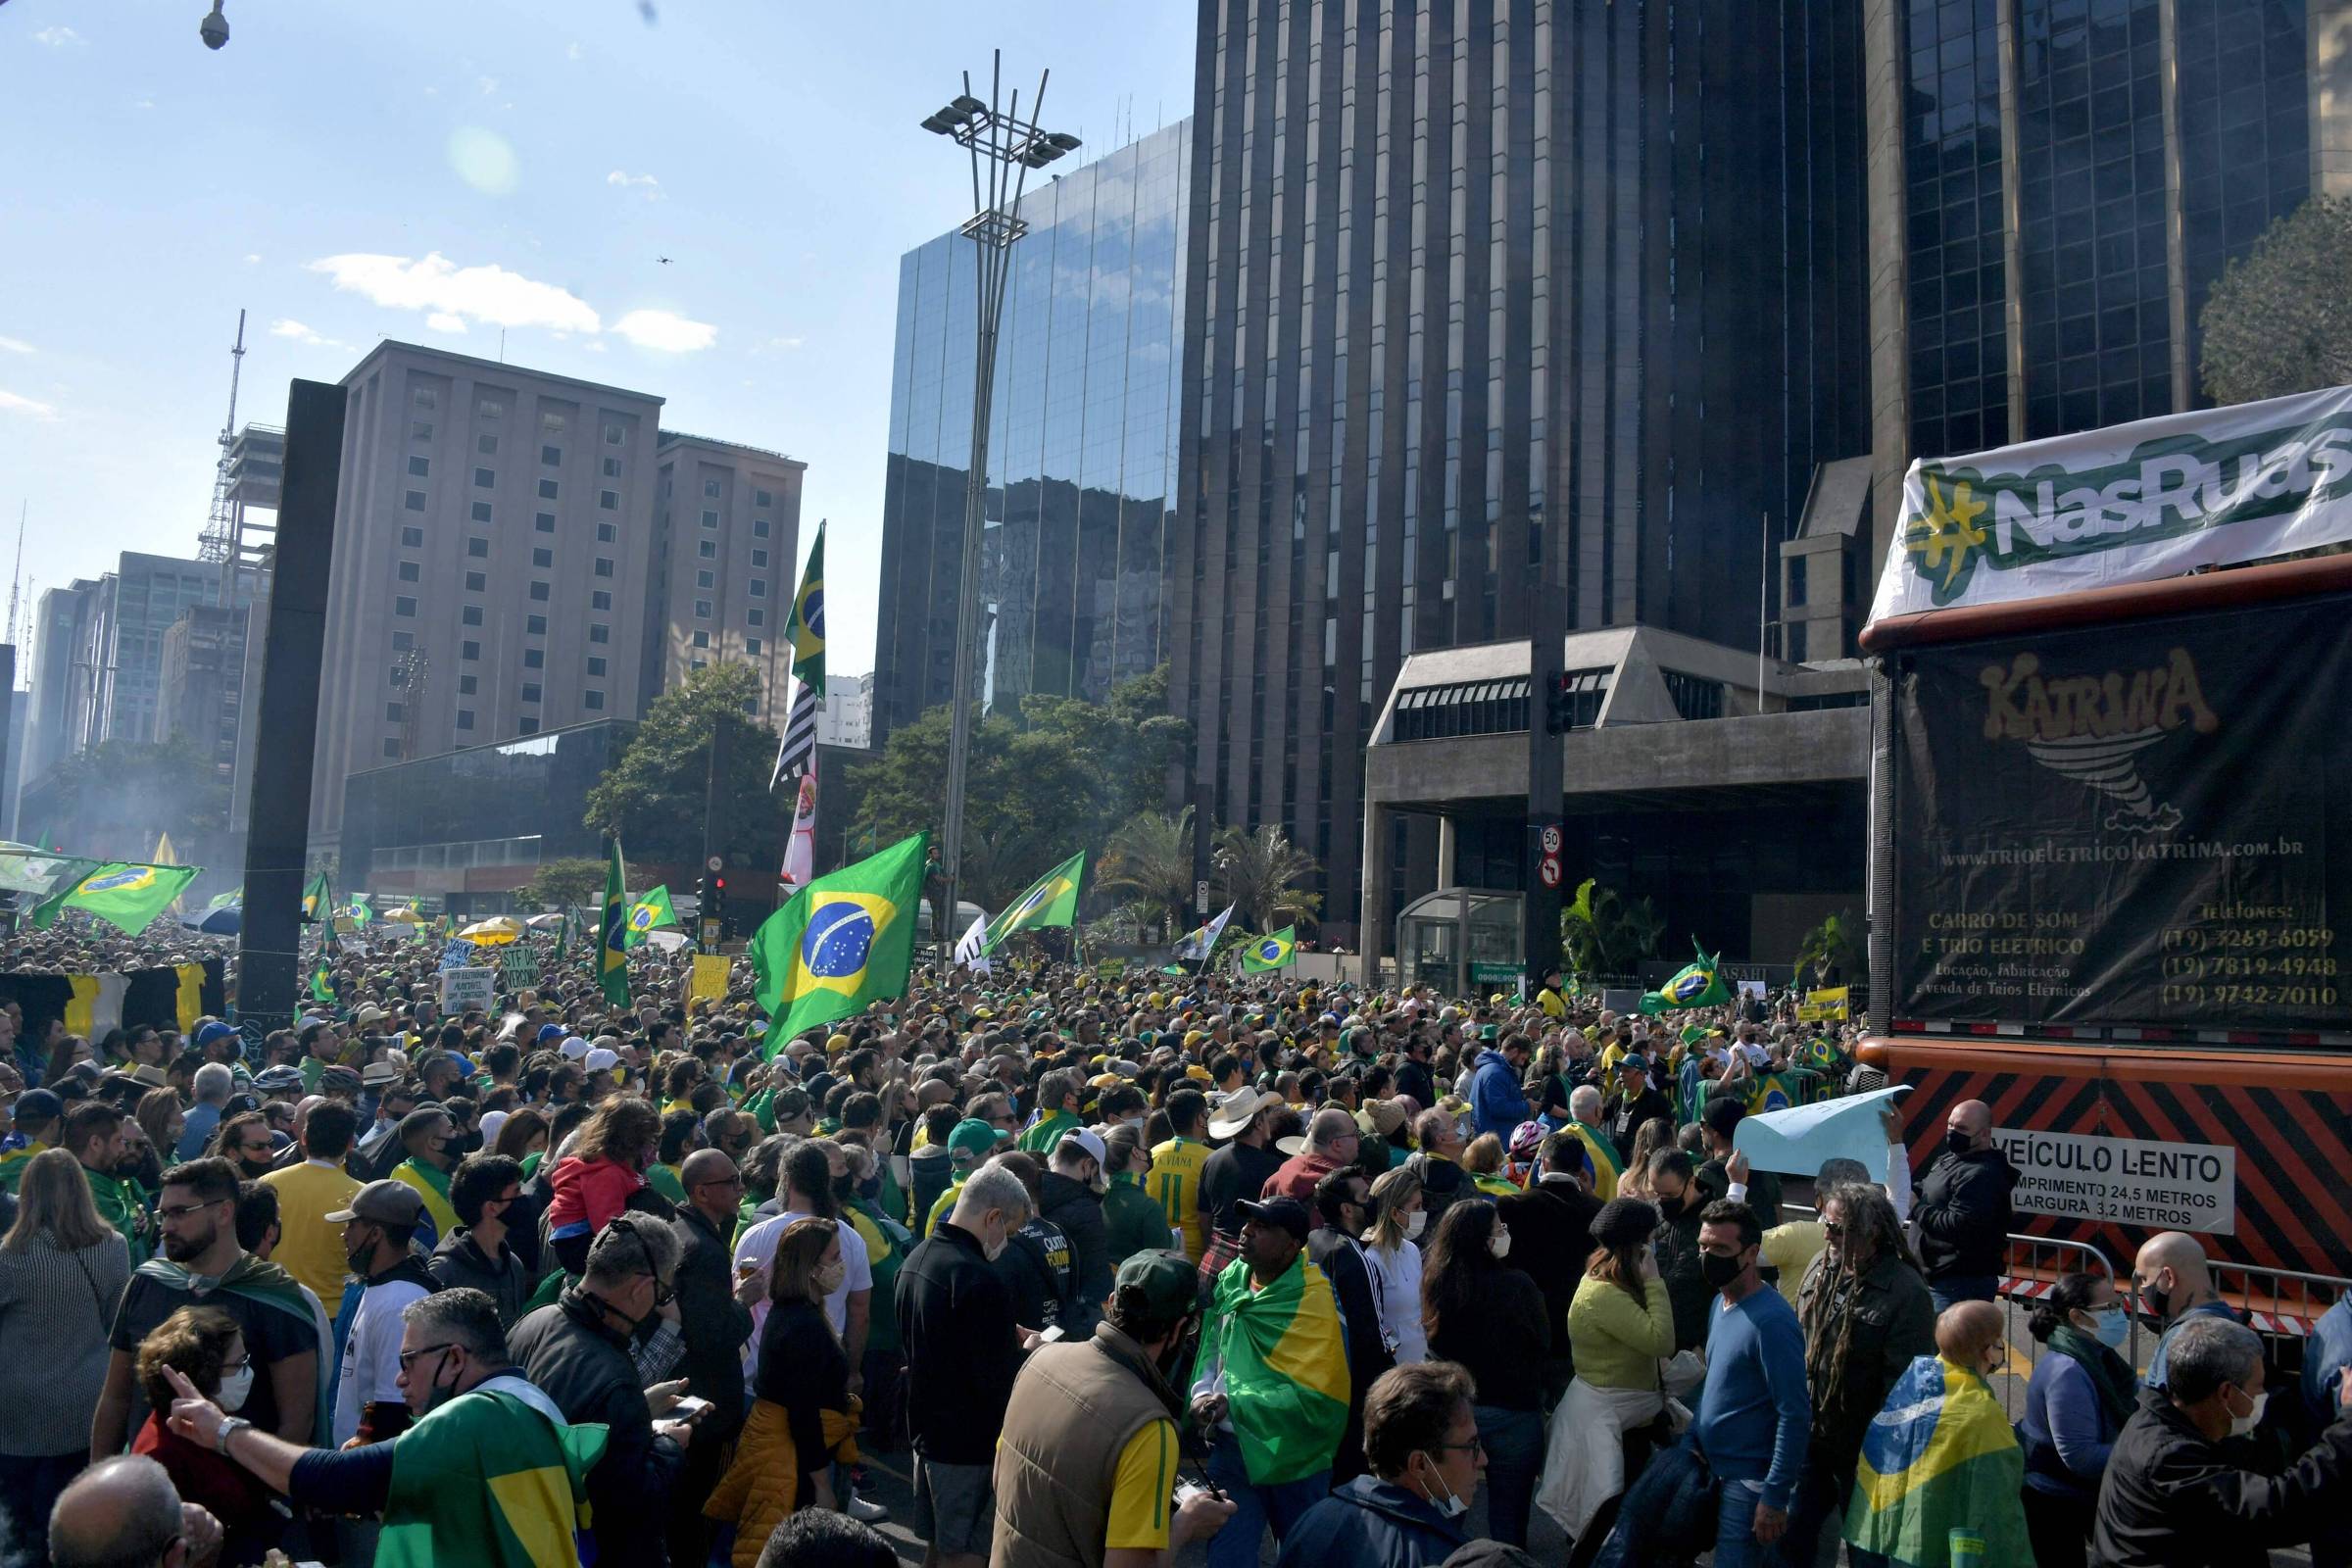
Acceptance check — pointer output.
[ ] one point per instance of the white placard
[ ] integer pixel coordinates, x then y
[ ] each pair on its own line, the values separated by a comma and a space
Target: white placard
2126, 1181
461, 989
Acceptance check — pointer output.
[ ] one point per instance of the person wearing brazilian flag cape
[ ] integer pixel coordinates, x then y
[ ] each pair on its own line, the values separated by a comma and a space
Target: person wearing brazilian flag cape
1271, 1386
490, 1476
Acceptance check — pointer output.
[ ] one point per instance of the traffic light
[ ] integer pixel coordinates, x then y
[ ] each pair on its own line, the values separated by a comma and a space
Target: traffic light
1559, 706
714, 907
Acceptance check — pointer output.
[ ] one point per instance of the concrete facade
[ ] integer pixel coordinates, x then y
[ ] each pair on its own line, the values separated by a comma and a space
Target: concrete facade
726, 557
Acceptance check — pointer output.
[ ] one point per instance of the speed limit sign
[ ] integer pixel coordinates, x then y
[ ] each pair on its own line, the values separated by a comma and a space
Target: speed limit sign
1551, 838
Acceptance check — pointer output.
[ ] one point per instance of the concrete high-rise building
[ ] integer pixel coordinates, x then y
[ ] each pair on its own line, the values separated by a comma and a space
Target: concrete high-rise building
133, 608
2055, 189
1083, 451
847, 716
1476, 286
494, 543
58, 708
728, 525
200, 691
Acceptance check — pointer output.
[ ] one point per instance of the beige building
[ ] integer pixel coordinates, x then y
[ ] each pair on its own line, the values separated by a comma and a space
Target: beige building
493, 540
726, 553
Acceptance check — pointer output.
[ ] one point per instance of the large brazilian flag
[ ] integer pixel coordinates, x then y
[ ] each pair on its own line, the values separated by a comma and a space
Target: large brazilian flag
1052, 901
1286, 1369
1939, 1456
494, 1478
843, 941
649, 914
125, 896
1260, 954
612, 958
1698, 984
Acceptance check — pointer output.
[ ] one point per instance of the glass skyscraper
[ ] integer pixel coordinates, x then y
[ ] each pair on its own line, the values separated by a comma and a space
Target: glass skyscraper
1083, 458
1474, 280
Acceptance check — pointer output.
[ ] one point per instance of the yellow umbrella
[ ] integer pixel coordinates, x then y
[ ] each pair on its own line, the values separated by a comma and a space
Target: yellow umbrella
407, 916
494, 932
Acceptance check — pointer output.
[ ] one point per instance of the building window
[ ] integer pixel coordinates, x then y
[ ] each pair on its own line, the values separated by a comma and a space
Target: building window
426, 398
758, 528
759, 588
484, 479
702, 610
486, 444
698, 663
599, 632
1695, 698
476, 582
544, 521
481, 512
706, 579
609, 499
710, 488
526, 726
599, 599
466, 684
478, 548
759, 558
707, 549
549, 490
751, 646
491, 409
396, 676
530, 691
552, 423
402, 641
756, 616
596, 664
471, 615
420, 431
539, 592
412, 538
612, 467
613, 435
709, 519
392, 746
392, 712
550, 456
606, 533
534, 626
403, 607
471, 651
465, 718
409, 571
420, 467
543, 557
760, 498
592, 700
413, 499
534, 658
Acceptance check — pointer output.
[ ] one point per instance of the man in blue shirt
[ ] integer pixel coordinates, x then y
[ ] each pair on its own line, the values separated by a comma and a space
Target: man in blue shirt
1755, 1412
2170, 1277
1498, 1103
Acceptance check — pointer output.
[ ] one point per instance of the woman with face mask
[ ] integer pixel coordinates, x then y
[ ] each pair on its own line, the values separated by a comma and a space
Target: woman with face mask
802, 1417
1393, 1254
2081, 1394
1622, 1324
203, 1345
1492, 1318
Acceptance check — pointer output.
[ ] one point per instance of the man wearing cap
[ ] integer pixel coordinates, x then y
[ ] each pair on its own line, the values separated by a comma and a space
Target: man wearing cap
1238, 1172
376, 1230
1639, 1103
1071, 1195
37, 1113
425, 1134
972, 1140
1271, 1380
1087, 1461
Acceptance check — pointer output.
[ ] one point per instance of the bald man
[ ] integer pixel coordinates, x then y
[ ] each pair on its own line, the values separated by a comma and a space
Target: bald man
714, 1314
2173, 1285
126, 1511
1966, 1414
1963, 1210
1332, 1139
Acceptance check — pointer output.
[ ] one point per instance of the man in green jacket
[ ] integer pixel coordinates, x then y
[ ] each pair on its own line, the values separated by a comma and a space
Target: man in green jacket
99, 1136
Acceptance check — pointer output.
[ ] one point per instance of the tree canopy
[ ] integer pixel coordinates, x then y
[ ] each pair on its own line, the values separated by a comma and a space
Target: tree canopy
2280, 319
563, 883
655, 796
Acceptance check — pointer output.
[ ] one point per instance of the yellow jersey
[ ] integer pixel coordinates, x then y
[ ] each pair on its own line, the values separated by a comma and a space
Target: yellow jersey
1175, 1181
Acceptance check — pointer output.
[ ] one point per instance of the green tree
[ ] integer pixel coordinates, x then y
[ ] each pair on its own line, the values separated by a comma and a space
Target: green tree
1150, 857
1604, 934
1261, 872
654, 797
2280, 319
560, 884
1833, 951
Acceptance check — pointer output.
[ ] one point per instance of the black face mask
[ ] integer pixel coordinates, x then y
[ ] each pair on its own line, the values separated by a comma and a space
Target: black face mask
1958, 1142
1719, 1270
844, 1188
2153, 1298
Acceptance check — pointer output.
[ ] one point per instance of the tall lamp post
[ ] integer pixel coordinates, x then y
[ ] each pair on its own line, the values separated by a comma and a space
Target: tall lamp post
1003, 148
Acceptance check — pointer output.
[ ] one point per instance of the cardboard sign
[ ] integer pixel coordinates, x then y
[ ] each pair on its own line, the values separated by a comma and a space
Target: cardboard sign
461, 989
2125, 1180
709, 977
1824, 1006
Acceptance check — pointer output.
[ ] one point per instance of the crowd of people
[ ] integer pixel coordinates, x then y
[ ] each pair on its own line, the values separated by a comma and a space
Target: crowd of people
1123, 1265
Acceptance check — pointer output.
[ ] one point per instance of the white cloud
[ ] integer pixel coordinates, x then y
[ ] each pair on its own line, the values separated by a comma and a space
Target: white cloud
14, 345
440, 288
445, 322
488, 84
575, 52
646, 184
286, 327
10, 402
665, 331
252, 258
786, 342
58, 37
144, 103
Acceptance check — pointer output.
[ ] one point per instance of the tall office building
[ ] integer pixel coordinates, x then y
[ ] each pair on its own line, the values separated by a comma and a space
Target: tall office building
493, 546
122, 648
200, 688
1082, 459
1475, 282
2058, 185
726, 557
57, 709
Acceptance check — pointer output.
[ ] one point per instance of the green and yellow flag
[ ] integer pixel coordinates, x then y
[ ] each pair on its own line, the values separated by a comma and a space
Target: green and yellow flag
125, 896
360, 910
316, 897
1286, 1369
806, 629
843, 941
1260, 954
612, 960
1940, 1459
649, 914
502, 1483
1698, 984
1052, 901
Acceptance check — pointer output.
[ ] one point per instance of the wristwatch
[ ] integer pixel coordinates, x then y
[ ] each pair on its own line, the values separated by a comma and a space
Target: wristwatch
229, 1427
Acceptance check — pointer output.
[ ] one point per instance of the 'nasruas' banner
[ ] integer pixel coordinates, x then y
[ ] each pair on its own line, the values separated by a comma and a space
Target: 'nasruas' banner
2130, 503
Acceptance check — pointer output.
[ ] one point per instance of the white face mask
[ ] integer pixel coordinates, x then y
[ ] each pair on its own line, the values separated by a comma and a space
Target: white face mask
2240, 1425
1499, 1244
234, 1386
1451, 1505
1414, 1222
995, 1249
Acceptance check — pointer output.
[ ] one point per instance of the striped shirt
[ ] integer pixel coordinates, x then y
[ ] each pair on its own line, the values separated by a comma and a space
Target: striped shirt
56, 1308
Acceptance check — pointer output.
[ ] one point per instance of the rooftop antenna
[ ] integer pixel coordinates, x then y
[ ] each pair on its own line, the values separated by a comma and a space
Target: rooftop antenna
16, 576
218, 541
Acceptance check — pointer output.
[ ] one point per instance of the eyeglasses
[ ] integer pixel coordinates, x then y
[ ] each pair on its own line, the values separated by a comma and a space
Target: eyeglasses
239, 1364
1474, 1445
183, 1210
1829, 1228
407, 1358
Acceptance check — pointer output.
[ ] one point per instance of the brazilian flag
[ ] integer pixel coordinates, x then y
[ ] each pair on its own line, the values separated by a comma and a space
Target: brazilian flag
323, 988
1263, 954
494, 1478
125, 896
1774, 1091
1698, 984
805, 630
844, 940
649, 914
1939, 1457
1286, 1369
611, 961
360, 911
316, 898
1052, 901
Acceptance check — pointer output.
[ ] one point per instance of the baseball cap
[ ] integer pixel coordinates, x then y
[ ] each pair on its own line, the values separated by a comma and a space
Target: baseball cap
1722, 1115
574, 1047
1287, 1212
1169, 1285
601, 1059
216, 1030
1634, 1061
385, 1202
368, 1015
974, 1135
40, 1104
550, 1031
1089, 1141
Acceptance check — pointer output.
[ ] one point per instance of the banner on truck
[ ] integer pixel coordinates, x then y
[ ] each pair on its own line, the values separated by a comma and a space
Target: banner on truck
2144, 824
2130, 503
2122, 1181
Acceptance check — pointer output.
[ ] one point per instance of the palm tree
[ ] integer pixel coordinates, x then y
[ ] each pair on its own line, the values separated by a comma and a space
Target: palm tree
1261, 872
1150, 857
1832, 948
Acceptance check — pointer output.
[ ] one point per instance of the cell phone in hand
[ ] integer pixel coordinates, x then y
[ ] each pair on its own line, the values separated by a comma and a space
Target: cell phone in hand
1049, 1335
688, 1407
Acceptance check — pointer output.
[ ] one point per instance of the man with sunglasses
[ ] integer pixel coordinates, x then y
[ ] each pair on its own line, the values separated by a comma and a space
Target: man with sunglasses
377, 1227
714, 1311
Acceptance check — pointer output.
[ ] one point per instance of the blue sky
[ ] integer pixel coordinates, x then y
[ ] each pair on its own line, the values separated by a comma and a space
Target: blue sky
350, 170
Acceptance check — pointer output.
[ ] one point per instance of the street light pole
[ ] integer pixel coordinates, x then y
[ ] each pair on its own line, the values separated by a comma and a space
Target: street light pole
1003, 148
